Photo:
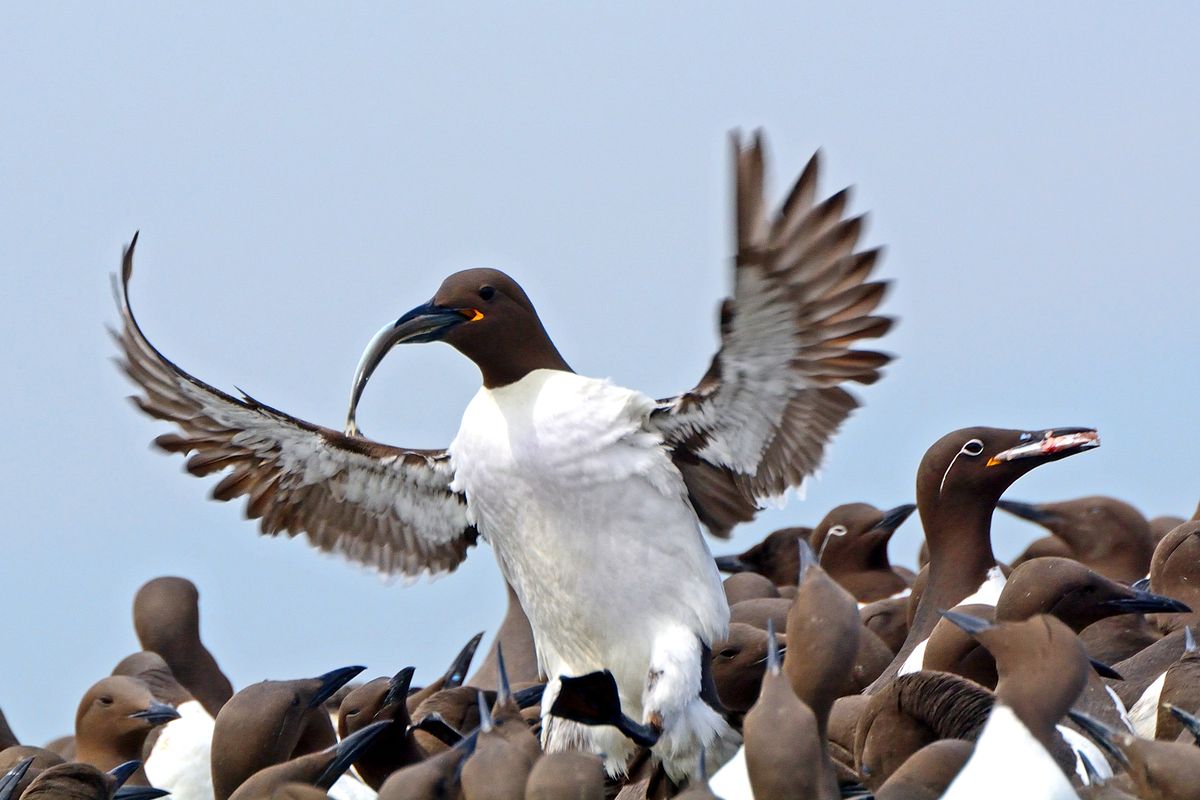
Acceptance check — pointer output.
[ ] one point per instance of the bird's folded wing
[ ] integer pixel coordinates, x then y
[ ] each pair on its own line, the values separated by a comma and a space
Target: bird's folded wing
758, 422
386, 507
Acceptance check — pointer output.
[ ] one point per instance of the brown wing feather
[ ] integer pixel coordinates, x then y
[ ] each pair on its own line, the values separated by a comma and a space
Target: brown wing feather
758, 422
387, 507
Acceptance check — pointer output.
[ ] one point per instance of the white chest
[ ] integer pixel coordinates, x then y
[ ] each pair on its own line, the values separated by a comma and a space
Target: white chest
588, 517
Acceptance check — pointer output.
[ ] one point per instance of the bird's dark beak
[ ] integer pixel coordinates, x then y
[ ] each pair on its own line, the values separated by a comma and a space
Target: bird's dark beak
895, 517
346, 751
9, 782
969, 624
123, 772
1147, 603
732, 564
425, 323
1052, 443
330, 682
156, 713
1026, 511
398, 688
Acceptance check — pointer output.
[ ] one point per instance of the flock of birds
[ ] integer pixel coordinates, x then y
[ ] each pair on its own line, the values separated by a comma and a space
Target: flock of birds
625, 666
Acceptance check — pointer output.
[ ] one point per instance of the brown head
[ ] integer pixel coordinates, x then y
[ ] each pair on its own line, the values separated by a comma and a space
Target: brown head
395, 747
774, 557
851, 544
1075, 594
486, 316
112, 722
959, 481
72, 781
265, 723
738, 663
1175, 568
166, 616
38, 759
1106, 534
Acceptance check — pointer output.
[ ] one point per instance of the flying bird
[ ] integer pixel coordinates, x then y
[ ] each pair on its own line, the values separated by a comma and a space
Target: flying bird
591, 495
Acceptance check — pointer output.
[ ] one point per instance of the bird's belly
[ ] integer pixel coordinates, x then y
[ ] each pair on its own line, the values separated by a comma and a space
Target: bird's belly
601, 569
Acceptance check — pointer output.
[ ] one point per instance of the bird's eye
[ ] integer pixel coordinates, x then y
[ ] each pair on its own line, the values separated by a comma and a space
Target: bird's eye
728, 652
487, 293
106, 701
972, 448
352, 712
837, 530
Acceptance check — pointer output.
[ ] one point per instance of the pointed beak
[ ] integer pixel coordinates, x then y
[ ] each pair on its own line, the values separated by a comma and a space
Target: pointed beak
969, 624
13, 777
346, 751
1104, 670
1147, 603
732, 564
397, 688
123, 772
156, 714
457, 673
425, 323
330, 682
1026, 511
1056, 442
1101, 734
894, 518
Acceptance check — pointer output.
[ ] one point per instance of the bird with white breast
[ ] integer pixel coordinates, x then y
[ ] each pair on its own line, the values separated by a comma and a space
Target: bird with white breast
592, 495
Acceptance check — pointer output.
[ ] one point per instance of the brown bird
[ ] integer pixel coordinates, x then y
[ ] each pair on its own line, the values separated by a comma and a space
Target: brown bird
271, 722
1159, 770
784, 753
112, 722
320, 770
851, 544
774, 557
1105, 534
395, 746
959, 481
566, 776
166, 616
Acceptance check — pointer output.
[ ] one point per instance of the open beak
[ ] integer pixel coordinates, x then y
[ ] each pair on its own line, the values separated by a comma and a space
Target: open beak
1058, 442
425, 323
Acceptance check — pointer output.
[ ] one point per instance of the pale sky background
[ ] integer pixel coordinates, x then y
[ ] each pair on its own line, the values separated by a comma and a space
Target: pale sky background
302, 174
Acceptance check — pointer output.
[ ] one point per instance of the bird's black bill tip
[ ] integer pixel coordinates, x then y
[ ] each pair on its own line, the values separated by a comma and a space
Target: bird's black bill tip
732, 564
330, 682
156, 714
1105, 671
967, 623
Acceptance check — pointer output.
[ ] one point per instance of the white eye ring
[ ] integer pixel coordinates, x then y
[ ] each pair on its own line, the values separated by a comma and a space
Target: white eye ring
972, 448
837, 530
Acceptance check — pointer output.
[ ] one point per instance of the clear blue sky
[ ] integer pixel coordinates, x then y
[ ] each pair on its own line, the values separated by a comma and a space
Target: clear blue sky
303, 173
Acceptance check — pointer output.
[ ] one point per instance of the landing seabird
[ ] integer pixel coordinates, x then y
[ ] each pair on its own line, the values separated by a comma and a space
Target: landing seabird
591, 495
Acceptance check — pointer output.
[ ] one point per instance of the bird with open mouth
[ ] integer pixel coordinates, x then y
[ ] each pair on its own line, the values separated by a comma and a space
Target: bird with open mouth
592, 495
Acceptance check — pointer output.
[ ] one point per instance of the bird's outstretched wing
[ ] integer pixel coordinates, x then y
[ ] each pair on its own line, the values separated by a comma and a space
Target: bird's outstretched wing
387, 507
760, 418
